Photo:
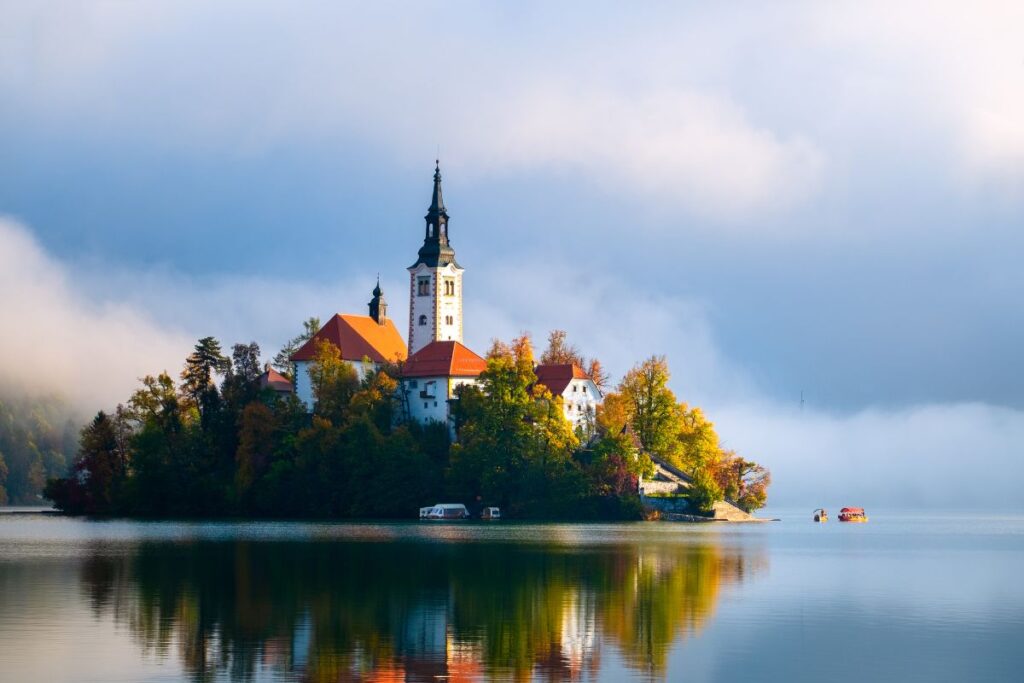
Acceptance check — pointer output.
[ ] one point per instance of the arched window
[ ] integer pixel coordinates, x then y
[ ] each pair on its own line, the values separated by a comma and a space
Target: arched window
423, 320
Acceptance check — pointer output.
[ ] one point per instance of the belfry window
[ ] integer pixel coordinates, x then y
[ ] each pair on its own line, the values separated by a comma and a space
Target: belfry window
423, 285
423, 320
449, 287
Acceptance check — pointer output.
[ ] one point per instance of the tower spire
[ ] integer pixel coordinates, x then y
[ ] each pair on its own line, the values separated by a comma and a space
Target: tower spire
378, 306
437, 215
436, 249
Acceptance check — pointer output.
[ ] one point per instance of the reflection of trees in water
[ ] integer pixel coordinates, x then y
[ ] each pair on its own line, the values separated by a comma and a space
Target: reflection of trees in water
410, 611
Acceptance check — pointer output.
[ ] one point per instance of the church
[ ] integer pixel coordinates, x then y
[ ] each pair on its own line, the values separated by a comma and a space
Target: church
434, 361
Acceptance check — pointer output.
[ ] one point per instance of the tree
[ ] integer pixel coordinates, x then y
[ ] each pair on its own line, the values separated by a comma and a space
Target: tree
241, 383
743, 481
698, 439
704, 490
282, 362
597, 373
650, 406
197, 377
515, 445
255, 446
560, 352
3, 480
334, 382
96, 474
156, 404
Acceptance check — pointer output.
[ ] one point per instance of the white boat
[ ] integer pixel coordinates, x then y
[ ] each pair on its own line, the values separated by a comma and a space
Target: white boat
446, 511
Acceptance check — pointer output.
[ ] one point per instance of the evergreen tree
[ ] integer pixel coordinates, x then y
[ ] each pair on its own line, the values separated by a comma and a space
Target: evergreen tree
197, 377
281, 361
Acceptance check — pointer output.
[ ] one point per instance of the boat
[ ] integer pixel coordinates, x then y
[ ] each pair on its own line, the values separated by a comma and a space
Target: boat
852, 515
446, 511
821, 515
491, 514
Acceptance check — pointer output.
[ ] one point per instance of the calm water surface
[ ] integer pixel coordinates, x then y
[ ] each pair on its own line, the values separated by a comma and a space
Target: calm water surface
903, 598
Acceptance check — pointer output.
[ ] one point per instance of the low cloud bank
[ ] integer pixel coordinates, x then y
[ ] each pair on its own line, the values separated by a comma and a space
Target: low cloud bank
58, 339
91, 333
955, 456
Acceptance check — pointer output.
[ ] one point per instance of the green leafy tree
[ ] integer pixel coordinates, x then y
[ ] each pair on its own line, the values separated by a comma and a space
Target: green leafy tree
704, 490
650, 408
515, 444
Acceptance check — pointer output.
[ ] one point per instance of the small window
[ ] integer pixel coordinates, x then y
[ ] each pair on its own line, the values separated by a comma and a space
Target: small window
423, 284
423, 320
584, 389
425, 405
449, 287
413, 383
435, 404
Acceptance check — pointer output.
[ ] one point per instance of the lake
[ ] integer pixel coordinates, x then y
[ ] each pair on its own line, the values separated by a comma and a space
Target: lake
902, 598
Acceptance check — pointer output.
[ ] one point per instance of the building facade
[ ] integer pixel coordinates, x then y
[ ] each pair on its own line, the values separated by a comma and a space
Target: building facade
366, 341
431, 378
580, 395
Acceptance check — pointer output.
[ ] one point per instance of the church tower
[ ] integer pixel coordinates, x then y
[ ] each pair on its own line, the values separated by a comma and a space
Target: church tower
435, 281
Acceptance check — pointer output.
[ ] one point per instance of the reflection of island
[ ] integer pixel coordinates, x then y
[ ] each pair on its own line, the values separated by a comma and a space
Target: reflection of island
329, 611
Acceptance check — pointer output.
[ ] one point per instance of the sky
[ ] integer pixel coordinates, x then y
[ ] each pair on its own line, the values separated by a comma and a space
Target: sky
798, 199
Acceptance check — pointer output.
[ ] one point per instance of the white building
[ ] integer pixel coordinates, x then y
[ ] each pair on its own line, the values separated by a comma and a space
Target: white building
366, 341
580, 396
435, 281
431, 376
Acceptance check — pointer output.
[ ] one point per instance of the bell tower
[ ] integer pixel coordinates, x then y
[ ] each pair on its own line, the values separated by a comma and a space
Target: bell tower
435, 280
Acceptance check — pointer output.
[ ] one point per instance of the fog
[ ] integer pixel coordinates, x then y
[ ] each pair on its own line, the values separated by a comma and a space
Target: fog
90, 332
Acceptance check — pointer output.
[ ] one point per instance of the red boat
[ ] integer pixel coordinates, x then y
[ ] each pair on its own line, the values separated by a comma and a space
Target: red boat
852, 515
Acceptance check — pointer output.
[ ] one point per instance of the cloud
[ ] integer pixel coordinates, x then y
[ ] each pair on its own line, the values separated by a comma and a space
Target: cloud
953, 456
57, 339
684, 145
956, 65
676, 146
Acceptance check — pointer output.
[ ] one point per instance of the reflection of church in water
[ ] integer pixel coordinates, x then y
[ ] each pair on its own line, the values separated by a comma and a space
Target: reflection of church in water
434, 360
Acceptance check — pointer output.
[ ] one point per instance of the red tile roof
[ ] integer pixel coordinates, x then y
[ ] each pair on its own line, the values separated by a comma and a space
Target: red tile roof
275, 380
557, 377
358, 336
444, 359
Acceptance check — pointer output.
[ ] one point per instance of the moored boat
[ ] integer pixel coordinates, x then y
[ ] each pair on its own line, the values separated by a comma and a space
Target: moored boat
852, 515
821, 515
445, 511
